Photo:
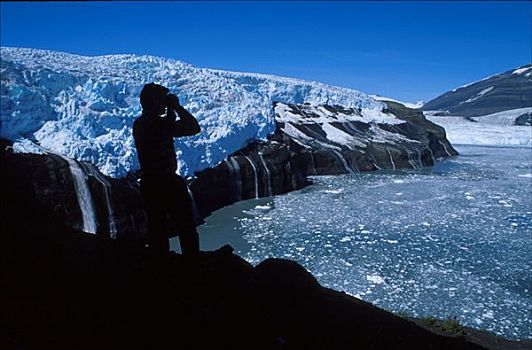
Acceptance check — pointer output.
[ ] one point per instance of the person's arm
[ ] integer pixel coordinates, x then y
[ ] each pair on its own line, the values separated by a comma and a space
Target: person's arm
187, 125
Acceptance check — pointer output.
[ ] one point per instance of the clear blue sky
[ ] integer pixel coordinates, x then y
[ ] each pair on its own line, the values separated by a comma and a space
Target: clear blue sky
405, 50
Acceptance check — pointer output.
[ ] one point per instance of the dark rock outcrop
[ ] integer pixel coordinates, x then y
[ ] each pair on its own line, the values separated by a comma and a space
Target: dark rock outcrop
501, 92
524, 119
301, 148
111, 207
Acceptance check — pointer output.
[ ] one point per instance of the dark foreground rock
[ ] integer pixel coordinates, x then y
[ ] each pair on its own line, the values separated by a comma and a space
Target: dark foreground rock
64, 289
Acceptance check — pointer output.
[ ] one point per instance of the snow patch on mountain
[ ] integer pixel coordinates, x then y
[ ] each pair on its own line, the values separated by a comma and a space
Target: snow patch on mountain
469, 84
84, 107
477, 96
320, 115
332, 127
416, 105
523, 70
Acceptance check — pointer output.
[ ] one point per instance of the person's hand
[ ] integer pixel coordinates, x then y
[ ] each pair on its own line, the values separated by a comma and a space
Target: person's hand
172, 101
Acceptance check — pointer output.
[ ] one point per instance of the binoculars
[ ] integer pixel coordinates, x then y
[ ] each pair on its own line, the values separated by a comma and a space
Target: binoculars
172, 100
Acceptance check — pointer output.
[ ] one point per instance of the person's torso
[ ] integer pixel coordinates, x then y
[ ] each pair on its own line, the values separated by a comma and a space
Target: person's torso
155, 145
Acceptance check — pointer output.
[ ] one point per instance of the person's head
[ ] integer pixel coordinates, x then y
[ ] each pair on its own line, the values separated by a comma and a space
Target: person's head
153, 98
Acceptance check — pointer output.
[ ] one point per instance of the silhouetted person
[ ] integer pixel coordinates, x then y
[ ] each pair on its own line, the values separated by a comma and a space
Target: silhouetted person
163, 191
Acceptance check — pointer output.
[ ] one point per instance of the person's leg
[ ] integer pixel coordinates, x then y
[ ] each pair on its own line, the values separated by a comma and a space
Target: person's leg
150, 188
180, 208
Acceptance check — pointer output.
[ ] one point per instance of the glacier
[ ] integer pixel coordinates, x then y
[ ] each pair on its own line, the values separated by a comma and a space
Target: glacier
83, 107
495, 129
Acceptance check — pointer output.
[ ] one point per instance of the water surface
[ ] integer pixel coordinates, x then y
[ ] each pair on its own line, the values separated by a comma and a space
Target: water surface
451, 240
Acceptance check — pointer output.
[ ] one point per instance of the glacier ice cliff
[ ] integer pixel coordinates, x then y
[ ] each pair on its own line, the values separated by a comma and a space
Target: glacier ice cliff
83, 107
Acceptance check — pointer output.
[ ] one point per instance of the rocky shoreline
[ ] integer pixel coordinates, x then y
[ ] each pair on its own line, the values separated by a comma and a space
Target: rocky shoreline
65, 289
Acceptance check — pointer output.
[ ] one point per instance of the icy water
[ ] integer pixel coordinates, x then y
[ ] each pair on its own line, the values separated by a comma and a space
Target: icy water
451, 240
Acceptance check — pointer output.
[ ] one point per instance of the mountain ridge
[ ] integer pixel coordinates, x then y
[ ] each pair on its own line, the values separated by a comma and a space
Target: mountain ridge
508, 90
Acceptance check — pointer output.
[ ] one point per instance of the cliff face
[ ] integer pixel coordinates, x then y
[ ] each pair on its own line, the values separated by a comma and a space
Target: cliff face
321, 140
308, 140
77, 193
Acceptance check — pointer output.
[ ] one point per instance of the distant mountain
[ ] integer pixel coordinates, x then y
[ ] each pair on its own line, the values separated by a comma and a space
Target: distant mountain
501, 92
